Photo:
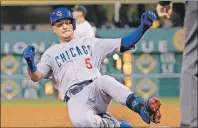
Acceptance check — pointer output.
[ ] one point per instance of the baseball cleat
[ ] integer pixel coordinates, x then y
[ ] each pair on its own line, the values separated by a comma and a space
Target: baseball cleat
154, 104
125, 124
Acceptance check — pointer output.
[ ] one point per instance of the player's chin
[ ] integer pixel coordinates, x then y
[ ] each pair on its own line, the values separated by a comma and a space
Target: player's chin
66, 35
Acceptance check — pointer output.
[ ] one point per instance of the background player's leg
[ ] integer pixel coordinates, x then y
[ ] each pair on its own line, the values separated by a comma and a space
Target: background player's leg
189, 73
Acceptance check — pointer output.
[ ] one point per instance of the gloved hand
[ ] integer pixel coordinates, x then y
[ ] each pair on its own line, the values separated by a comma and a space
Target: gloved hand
147, 19
151, 111
28, 54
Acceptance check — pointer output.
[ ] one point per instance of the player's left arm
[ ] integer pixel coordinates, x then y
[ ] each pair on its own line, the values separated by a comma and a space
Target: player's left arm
130, 40
102, 47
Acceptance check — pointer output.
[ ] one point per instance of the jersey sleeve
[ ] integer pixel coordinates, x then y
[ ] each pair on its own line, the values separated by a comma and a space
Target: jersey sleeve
106, 47
44, 65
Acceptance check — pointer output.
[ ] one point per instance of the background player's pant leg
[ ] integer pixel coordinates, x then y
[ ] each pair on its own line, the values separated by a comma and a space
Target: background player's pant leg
83, 109
189, 73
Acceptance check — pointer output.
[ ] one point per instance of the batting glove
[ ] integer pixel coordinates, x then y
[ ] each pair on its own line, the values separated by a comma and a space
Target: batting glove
147, 19
28, 54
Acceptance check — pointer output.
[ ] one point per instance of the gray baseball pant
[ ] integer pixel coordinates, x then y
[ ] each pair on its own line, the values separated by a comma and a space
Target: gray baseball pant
189, 73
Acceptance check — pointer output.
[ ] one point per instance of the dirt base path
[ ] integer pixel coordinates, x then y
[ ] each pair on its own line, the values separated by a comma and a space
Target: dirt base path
57, 116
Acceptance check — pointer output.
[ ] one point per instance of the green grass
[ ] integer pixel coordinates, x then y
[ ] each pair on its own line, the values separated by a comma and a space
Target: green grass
57, 102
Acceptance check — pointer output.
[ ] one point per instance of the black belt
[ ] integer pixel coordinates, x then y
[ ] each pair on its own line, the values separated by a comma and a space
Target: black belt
76, 89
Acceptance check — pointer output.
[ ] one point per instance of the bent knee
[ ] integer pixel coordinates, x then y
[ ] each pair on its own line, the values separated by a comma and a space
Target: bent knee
105, 78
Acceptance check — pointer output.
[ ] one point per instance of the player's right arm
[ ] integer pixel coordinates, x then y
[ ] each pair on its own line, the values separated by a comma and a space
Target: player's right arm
35, 76
39, 71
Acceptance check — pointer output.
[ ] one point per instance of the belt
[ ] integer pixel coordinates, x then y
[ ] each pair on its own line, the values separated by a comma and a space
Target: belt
78, 87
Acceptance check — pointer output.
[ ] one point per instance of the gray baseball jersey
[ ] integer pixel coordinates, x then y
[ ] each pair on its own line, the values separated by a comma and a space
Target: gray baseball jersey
76, 61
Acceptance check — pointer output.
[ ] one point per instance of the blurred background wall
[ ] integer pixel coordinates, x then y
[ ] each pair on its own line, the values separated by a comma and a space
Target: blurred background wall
152, 68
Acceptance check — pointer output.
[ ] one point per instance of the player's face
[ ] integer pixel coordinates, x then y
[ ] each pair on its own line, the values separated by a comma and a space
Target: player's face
64, 29
77, 14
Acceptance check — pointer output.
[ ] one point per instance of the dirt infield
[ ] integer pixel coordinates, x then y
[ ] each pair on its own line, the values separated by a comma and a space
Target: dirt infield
57, 116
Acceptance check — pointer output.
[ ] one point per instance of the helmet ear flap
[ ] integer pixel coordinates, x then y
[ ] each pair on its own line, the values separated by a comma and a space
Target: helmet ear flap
74, 24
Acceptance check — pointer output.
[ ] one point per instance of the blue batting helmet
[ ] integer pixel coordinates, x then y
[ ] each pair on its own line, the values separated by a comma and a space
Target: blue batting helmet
62, 13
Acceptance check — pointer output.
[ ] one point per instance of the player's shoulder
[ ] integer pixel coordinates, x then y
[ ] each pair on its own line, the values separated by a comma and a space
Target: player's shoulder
51, 48
88, 40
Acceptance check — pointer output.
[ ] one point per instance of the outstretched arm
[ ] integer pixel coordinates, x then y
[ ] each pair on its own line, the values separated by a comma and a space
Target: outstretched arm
130, 40
39, 71
28, 55
35, 76
103, 47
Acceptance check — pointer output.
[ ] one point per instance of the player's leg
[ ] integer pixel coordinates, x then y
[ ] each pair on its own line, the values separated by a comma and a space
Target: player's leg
101, 101
83, 110
109, 86
189, 73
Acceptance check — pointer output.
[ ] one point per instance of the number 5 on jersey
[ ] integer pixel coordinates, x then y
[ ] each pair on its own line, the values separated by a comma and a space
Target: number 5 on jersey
88, 63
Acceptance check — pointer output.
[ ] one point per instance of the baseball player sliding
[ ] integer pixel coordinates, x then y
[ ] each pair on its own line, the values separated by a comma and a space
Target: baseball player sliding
75, 65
